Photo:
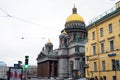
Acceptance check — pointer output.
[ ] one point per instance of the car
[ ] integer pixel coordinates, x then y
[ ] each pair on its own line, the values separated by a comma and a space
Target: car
69, 79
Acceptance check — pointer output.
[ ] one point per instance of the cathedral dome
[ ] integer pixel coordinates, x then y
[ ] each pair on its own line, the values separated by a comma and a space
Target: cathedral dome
49, 43
63, 34
74, 16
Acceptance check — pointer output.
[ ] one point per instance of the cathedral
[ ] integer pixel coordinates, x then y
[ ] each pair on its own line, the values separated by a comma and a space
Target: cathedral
69, 59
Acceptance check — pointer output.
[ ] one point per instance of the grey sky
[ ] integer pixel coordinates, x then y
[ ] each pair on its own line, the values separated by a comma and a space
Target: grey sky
38, 20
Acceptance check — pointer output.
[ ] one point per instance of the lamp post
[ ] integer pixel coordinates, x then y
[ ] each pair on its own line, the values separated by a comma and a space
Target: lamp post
19, 63
116, 68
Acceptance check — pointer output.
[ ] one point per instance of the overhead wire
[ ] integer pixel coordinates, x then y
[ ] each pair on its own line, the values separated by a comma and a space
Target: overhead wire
27, 21
8, 15
5, 12
21, 19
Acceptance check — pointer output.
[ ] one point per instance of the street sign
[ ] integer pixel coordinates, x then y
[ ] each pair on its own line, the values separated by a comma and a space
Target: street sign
16, 65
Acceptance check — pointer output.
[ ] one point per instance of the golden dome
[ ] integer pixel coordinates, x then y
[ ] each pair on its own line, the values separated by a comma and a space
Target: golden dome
74, 16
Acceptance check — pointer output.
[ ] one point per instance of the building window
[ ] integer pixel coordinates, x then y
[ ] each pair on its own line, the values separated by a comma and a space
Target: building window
95, 66
113, 64
114, 78
103, 66
96, 78
101, 32
86, 49
110, 28
117, 62
102, 47
93, 35
111, 45
94, 50
104, 77
119, 22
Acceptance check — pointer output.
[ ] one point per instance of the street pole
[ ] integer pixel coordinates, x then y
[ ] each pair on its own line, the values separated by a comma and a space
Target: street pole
115, 70
25, 74
26, 66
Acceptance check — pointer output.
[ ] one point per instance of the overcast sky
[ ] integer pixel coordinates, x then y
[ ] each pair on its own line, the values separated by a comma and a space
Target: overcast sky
37, 21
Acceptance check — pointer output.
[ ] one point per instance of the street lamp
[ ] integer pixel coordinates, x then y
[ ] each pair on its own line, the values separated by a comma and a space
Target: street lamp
19, 63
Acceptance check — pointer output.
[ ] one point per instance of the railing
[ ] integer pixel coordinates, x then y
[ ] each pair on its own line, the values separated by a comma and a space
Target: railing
102, 15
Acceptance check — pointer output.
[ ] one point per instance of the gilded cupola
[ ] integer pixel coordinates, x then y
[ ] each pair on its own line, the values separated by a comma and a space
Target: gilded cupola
74, 16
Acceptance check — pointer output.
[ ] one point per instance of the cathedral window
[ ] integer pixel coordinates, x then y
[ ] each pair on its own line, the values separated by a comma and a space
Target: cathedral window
65, 42
75, 37
76, 48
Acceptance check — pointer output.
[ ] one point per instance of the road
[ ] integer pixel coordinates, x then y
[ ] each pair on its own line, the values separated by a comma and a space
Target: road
42, 79
37, 79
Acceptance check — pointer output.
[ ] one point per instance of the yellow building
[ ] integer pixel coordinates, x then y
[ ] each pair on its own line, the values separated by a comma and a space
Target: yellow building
103, 46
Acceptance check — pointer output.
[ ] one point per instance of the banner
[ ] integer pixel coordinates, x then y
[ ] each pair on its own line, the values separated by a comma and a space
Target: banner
15, 73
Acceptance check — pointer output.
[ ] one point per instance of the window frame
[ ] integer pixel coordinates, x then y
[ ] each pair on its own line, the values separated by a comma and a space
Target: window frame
119, 22
93, 35
95, 66
113, 64
103, 66
77, 49
111, 44
110, 28
94, 49
101, 32
114, 78
102, 47
104, 77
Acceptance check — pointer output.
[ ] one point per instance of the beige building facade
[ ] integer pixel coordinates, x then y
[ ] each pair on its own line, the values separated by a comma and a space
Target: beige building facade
103, 47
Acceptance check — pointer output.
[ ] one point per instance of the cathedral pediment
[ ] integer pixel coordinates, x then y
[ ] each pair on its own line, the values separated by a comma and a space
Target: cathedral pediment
41, 55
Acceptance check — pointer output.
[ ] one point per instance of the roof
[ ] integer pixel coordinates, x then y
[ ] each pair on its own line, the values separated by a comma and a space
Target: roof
104, 18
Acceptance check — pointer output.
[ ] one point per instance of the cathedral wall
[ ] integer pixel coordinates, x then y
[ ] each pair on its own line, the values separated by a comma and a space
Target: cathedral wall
82, 49
63, 51
74, 62
72, 50
76, 48
43, 69
63, 67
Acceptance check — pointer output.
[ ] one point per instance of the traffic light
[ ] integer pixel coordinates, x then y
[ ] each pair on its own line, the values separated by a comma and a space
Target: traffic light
26, 62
